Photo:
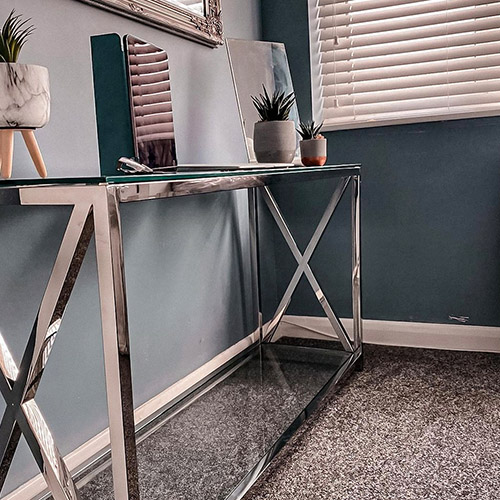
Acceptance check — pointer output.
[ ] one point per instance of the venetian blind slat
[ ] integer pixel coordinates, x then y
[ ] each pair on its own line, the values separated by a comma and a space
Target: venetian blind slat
379, 10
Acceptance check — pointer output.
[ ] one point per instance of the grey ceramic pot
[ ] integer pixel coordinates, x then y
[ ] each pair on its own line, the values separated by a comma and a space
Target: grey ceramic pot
313, 152
24, 95
275, 142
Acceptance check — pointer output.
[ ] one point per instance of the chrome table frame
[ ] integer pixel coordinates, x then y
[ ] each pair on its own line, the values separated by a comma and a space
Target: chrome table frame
96, 211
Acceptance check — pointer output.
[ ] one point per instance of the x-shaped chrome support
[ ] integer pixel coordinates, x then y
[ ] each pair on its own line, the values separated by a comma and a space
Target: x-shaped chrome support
95, 212
303, 263
19, 384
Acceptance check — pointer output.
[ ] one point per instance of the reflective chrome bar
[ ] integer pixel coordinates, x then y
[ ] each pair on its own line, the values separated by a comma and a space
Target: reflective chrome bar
254, 249
356, 261
109, 254
19, 386
114, 317
303, 263
155, 189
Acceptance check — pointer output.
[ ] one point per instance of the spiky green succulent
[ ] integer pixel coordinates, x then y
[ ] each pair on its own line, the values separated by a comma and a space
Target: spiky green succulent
309, 130
273, 108
13, 36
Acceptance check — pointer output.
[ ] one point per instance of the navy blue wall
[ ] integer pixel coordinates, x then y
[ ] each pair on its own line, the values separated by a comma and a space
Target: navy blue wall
286, 21
430, 208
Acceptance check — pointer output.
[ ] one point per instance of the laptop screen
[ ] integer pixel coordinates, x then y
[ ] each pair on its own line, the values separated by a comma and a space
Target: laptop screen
150, 103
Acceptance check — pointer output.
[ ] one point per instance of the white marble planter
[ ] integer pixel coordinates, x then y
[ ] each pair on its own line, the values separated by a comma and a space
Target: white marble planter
275, 141
24, 96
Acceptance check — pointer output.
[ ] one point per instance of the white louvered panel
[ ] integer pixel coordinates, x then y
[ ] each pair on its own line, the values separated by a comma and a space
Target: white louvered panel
355, 27
151, 98
418, 13
396, 109
384, 61
409, 58
385, 9
421, 48
405, 94
406, 83
370, 4
415, 116
416, 69
430, 36
143, 48
412, 83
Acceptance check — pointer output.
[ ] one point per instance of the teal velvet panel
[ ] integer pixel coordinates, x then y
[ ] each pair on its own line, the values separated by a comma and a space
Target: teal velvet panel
114, 127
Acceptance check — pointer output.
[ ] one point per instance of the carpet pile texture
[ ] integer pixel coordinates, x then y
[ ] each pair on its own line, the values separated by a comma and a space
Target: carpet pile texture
415, 424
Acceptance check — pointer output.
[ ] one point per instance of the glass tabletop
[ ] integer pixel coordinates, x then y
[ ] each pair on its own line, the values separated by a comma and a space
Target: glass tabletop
225, 171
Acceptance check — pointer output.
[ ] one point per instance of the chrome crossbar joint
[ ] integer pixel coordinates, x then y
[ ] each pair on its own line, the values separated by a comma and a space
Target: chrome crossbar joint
303, 263
20, 384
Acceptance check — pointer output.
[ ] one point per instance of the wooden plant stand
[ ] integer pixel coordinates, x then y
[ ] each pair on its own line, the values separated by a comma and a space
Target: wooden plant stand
7, 151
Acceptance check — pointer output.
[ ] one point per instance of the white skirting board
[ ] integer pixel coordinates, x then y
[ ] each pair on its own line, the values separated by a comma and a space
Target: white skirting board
426, 335
400, 333
36, 487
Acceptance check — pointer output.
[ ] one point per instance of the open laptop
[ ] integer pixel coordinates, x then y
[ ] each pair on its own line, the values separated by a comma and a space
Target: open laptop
151, 108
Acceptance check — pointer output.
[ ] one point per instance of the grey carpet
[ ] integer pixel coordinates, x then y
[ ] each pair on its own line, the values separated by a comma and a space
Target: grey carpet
204, 451
415, 424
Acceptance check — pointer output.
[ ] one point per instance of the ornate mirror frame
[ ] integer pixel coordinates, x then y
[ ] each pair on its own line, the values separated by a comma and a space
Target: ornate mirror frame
167, 16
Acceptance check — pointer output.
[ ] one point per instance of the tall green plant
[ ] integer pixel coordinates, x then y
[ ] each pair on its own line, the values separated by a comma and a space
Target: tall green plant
273, 108
13, 36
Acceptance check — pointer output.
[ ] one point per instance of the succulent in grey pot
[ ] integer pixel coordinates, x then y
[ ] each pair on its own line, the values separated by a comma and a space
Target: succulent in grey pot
312, 145
274, 135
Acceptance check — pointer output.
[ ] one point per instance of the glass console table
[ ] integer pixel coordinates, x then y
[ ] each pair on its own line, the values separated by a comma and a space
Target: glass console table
214, 441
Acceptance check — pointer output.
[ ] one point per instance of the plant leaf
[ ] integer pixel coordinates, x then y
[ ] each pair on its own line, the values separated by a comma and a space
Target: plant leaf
275, 107
13, 35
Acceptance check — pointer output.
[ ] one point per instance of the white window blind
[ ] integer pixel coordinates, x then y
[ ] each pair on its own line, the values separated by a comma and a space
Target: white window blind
389, 61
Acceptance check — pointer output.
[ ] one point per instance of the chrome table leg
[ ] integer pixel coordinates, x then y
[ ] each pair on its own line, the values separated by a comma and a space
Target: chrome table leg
106, 226
356, 264
255, 258
114, 317
19, 385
